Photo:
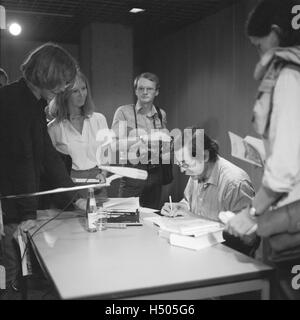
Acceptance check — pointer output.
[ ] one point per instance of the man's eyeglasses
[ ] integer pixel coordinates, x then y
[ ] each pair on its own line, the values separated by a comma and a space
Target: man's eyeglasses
142, 89
182, 164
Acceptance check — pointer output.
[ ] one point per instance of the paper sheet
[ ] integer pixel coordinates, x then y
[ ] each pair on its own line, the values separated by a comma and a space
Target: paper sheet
122, 204
249, 149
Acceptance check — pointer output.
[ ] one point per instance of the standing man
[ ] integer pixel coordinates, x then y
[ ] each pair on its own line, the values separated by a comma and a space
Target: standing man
146, 116
27, 152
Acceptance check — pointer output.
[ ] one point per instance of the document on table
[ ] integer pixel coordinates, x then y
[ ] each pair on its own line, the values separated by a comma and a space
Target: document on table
122, 204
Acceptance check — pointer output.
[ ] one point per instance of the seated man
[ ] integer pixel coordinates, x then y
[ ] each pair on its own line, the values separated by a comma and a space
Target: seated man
214, 185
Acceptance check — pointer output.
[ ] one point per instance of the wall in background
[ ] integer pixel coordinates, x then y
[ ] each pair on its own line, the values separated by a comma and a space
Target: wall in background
106, 56
206, 79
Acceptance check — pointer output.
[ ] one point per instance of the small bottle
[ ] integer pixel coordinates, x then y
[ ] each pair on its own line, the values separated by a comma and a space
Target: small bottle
91, 212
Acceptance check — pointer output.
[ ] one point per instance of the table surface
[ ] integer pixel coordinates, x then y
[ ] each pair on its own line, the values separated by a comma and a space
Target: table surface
123, 263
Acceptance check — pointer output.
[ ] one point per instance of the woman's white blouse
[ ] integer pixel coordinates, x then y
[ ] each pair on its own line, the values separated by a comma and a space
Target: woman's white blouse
282, 168
81, 147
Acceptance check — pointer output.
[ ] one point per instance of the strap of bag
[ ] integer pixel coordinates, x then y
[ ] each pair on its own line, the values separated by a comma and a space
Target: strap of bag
135, 119
159, 115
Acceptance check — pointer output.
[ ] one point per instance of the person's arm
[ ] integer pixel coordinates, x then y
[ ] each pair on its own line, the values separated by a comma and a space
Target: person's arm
282, 166
20, 172
264, 199
56, 172
17, 172
238, 195
122, 130
238, 198
56, 136
178, 208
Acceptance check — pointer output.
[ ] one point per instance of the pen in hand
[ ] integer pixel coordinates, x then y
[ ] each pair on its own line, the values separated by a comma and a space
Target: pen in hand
171, 206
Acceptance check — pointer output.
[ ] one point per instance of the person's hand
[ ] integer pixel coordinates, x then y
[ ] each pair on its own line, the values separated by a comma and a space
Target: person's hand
242, 224
101, 177
80, 204
26, 225
178, 209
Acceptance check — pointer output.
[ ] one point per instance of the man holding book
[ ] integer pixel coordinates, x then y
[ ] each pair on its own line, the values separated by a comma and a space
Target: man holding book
215, 185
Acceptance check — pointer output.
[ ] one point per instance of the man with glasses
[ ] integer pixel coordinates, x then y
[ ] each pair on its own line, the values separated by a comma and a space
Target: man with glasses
143, 116
214, 185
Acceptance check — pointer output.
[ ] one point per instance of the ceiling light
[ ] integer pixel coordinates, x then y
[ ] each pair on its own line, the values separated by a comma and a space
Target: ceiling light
15, 29
136, 10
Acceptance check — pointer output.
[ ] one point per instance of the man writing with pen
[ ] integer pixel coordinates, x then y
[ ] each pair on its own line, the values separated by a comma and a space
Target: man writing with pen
214, 185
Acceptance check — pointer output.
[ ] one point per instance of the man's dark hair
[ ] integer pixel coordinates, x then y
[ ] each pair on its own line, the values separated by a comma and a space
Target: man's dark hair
210, 144
147, 75
273, 12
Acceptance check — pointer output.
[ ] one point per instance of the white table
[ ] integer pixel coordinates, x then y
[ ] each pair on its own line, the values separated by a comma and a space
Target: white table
135, 263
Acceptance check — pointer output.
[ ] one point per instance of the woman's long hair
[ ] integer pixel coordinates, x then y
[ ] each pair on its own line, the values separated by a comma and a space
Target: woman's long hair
59, 108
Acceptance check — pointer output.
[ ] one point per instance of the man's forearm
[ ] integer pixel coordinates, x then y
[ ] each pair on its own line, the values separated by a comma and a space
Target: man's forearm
264, 199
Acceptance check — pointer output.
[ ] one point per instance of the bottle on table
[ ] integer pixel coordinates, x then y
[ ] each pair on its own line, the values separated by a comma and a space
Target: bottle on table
91, 212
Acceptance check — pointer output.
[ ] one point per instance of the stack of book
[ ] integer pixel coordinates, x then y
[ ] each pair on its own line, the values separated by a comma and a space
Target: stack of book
123, 211
191, 233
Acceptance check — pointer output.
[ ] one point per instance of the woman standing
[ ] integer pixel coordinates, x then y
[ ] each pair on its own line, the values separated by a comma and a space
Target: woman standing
75, 128
277, 118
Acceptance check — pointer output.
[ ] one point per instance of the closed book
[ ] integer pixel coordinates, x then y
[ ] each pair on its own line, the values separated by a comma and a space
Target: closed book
196, 243
186, 225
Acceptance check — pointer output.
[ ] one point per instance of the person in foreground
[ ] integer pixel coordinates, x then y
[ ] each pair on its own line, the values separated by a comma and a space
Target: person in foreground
276, 119
28, 153
214, 185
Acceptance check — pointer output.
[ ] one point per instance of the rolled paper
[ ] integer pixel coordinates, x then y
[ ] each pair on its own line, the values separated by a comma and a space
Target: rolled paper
127, 172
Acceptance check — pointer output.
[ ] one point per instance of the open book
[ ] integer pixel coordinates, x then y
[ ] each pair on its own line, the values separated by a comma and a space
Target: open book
249, 149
